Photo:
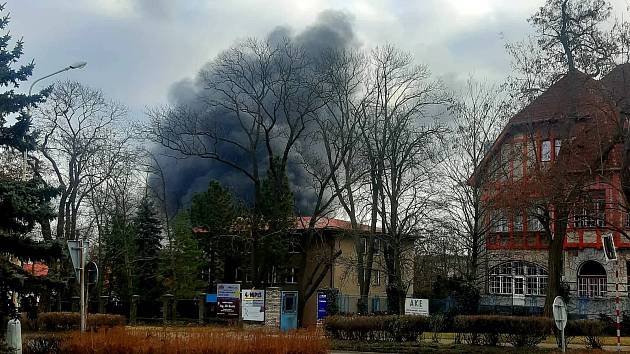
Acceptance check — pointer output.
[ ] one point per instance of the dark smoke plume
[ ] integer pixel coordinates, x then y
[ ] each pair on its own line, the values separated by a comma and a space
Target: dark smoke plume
187, 176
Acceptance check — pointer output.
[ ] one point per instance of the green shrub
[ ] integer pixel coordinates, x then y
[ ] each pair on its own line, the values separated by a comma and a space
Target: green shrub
489, 330
396, 328
64, 321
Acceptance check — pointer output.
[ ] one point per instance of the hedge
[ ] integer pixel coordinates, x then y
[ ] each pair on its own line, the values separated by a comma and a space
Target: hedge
490, 330
591, 330
64, 321
378, 328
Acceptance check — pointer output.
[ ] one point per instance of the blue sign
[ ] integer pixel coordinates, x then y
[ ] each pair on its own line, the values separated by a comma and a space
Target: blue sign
211, 298
322, 304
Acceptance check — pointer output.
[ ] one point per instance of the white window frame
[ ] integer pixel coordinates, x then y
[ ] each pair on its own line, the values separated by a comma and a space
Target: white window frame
545, 151
557, 145
291, 277
518, 278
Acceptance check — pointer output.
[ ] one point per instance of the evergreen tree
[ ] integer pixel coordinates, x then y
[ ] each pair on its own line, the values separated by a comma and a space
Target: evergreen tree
182, 276
120, 255
24, 202
148, 238
214, 211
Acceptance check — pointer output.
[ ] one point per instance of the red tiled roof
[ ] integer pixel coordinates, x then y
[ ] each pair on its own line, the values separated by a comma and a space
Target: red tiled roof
575, 92
37, 269
302, 223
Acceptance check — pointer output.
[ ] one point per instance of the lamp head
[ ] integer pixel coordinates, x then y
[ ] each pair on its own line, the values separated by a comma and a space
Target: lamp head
78, 65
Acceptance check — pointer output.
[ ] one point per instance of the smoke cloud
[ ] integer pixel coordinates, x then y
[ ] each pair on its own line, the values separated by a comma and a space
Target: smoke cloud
186, 176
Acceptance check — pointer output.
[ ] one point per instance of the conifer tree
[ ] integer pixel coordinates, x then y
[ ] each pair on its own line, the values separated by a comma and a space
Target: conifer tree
24, 200
148, 238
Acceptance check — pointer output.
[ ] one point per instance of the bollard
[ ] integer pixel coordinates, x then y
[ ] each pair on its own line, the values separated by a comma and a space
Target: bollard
133, 311
202, 307
14, 336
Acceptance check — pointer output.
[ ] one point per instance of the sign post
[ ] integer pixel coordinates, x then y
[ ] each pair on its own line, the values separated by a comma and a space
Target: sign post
610, 253
78, 254
560, 317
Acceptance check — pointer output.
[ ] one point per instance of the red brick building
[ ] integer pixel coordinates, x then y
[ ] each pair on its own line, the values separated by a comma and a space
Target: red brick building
561, 149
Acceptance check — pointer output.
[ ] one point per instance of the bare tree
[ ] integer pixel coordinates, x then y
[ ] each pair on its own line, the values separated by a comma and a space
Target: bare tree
478, 116
82, 143
399, 138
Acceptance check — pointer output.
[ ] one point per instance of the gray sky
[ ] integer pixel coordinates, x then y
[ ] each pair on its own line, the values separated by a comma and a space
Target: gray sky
136, 49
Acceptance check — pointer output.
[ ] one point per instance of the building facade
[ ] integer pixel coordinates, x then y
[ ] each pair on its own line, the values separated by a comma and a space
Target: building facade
562, 152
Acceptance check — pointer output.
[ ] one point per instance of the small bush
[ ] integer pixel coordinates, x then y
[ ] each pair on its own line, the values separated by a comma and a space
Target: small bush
591, 330
488, 330
41, 345
64, 321
396, 328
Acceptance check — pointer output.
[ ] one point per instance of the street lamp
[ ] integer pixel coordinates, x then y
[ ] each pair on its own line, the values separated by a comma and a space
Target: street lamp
77, 65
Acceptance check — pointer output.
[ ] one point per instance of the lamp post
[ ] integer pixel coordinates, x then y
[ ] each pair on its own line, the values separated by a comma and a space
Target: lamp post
77, 65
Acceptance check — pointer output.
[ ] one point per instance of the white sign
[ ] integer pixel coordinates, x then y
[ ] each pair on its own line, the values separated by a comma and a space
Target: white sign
559, 312
253, 305
418, 307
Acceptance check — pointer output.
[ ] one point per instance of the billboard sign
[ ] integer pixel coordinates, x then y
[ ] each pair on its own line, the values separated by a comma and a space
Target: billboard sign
228, 299
253, 305
322, 304
417, 307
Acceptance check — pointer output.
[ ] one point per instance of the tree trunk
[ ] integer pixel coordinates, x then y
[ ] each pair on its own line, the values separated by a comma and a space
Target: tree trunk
555, 261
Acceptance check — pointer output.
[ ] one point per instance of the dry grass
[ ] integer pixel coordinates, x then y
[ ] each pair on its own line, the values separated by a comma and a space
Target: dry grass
194, 341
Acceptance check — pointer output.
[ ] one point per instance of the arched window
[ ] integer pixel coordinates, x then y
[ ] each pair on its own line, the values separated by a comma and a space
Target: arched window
518, 278
592, 281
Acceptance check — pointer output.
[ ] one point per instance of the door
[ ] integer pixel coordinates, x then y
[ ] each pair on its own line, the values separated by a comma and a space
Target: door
288, 311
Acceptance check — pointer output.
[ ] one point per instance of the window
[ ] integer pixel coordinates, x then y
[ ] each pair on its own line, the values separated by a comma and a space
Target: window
272, 276
238, 274
501, 223
558, 144
518, 278
592, 281
294, 247
291, 277
377, 246
363, 245
545, 151
376, 277
591, 212
518, 222
533, 223
518, 160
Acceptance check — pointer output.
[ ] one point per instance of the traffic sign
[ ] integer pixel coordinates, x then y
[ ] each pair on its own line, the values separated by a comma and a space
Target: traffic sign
74, 248
560, 317
609, 247
559, 312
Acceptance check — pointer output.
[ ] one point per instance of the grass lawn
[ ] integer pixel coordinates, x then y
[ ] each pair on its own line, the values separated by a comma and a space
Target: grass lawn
424, 347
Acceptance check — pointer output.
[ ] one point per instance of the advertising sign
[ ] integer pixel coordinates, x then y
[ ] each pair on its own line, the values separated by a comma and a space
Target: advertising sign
322, 304
228, 298
229, 291
418, 307
227, 307
253, 305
